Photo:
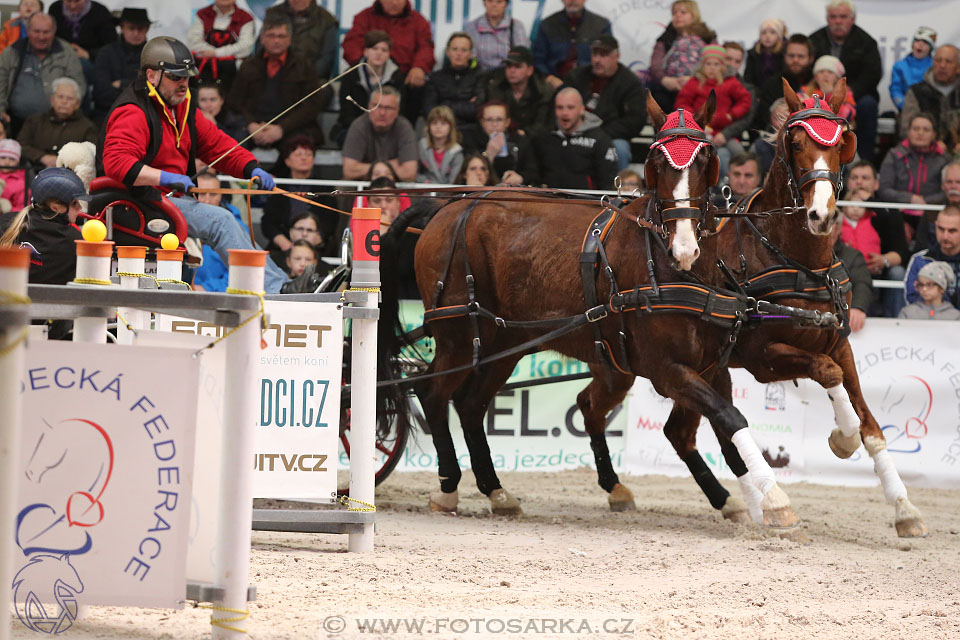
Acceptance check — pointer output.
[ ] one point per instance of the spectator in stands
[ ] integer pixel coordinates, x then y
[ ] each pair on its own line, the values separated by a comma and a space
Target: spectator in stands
578, 154
300, 256
381, 169
744, 175
209, 97
862, 285
13, 176
440, 152
389, 205
933, 281
412, 48
914, 66
521, 87
221, 35
16, 28
939, 95
677, 52
613, 93
733, 100
563, 40
508, 152
382, 134
950, 187
860, 56
494, 34
733, 55
765, 146
457, 84
765, 58
630, 181
477, 172
316, 34
269, 83
44, 134
826, 74
118, 63
945, 249
356, 86
213, 275
87, 25
858, 231
29, 67
911, 170
303, 226
798, 71
734, 58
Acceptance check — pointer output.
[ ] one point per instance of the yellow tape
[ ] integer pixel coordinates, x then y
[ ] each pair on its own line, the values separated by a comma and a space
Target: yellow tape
226, 623
346, 500
259, 314
9, 297
92, 281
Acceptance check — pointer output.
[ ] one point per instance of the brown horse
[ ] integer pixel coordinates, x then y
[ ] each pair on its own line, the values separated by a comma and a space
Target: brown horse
521, 263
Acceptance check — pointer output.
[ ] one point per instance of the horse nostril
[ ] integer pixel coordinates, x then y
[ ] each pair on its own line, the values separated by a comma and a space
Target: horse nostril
696, 253
812, 215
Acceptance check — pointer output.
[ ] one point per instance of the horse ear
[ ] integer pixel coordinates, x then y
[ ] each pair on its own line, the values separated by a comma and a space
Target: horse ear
839, 94
793, 102
705, 115
650, 175
849, 147
657, 118
713, 170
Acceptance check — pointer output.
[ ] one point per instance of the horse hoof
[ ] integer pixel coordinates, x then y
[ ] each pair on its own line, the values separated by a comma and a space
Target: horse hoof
735, 510
504, 504
621, 499
909, 523
441, 502
777, 512
842, 446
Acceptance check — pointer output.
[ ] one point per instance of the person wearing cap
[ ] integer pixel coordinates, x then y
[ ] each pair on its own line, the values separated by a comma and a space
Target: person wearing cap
22, 96
933, 281
357, 86
939, 95
911, 69
44, 134
860, 55
827, 72
221, 36
16, 28
613, 93
946, 250
563, 40
522, 88
118, 63
47, 227
494, 34
13, 176
153, 138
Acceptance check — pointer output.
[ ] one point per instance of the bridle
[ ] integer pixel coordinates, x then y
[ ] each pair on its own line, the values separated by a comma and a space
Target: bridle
807, 176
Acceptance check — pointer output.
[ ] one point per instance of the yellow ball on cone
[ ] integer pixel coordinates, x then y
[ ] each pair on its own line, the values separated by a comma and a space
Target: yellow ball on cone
169, 241
94, 231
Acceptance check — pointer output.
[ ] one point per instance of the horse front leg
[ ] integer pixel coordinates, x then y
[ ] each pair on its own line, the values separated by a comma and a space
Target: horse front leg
606, 390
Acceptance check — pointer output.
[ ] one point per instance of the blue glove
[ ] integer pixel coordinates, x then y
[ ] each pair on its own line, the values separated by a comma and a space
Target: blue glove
175, 181
266, 180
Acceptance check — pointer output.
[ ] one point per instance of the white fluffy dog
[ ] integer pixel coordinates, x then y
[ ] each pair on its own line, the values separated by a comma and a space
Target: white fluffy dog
81, 158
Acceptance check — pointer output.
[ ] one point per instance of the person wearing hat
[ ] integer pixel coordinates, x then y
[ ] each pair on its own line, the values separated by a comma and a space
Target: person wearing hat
939, 95
765, 57
563, 40
827, 72
494, 34
522, 88
47, 227
612, 92
16, 28
152, 139
933, 280
911, 69
12, 175
946, 251
118, 63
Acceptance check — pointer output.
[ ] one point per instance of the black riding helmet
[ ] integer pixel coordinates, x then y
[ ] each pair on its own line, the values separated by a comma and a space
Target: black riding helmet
168, 55
59, 184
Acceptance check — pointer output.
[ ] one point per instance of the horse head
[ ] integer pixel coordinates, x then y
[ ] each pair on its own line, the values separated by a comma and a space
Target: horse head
813, 143
680, 169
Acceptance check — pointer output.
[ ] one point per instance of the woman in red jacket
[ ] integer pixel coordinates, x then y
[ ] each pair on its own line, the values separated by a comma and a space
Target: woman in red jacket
733, 99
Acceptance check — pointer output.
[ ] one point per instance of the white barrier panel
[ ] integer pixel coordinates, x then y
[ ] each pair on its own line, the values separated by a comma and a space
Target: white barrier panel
910, 375
108, 458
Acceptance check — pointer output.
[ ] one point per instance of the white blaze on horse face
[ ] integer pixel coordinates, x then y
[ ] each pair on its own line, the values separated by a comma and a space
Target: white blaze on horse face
823, 209
684, 246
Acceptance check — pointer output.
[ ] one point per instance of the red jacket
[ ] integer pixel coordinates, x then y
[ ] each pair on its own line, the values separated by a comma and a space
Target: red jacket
410, 32
733, 100
127, 138
864, 238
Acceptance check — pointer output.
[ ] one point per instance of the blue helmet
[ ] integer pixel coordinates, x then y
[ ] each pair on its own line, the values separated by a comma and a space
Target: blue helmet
58, 183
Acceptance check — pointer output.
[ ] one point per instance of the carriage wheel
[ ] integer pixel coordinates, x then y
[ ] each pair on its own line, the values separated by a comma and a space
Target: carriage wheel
389, 449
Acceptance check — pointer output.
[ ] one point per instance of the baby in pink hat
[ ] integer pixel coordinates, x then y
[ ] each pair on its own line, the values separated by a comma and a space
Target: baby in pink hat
12, 175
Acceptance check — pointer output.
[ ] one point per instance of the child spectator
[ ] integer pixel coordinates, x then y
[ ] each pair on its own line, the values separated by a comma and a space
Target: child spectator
934, 279
765, 147
441, 155
16, 28
381, 169
300, 256
858, 231
222, 34
304, 226
12, 175
910, 70
827, 72
677, 52
477, 172
765, 58
213, 275
630, 181
210, 102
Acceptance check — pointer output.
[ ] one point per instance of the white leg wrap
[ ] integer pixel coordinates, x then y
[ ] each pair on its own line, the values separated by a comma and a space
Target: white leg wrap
889, 478
843, 412
753, 498
760, 472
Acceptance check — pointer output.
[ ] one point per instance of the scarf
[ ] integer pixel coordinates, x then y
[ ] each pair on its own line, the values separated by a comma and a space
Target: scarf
74, 19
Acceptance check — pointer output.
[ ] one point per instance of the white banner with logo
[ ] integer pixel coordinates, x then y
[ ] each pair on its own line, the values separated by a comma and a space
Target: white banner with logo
910, 376
108, 465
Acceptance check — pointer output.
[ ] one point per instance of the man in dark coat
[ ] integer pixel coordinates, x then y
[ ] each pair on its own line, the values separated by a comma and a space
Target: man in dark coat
521, 87
563, 40
118, 63
315, 33
86, 25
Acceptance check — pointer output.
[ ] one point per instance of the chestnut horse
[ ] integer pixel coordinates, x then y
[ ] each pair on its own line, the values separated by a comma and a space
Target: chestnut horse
521, 263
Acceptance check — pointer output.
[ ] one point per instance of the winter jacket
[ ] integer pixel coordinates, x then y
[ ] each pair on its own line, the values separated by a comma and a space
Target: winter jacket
860, 57
848, 108
213, 275
359, 84
449, 168
683, 56
279, 211
924, 96
906, 73
664, 42
316, 35
621, 103
13, 29
923, 311
492, 44
918, 261
856, 266
59, 61
15, 187
733, 99
52, 243
97, 28
889, 226
46, 133
551, 43
763, 66
533, 112
458, 89
585, 159
906, 172
862, 237
411, 34
116, 61
773, 89
517, 158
